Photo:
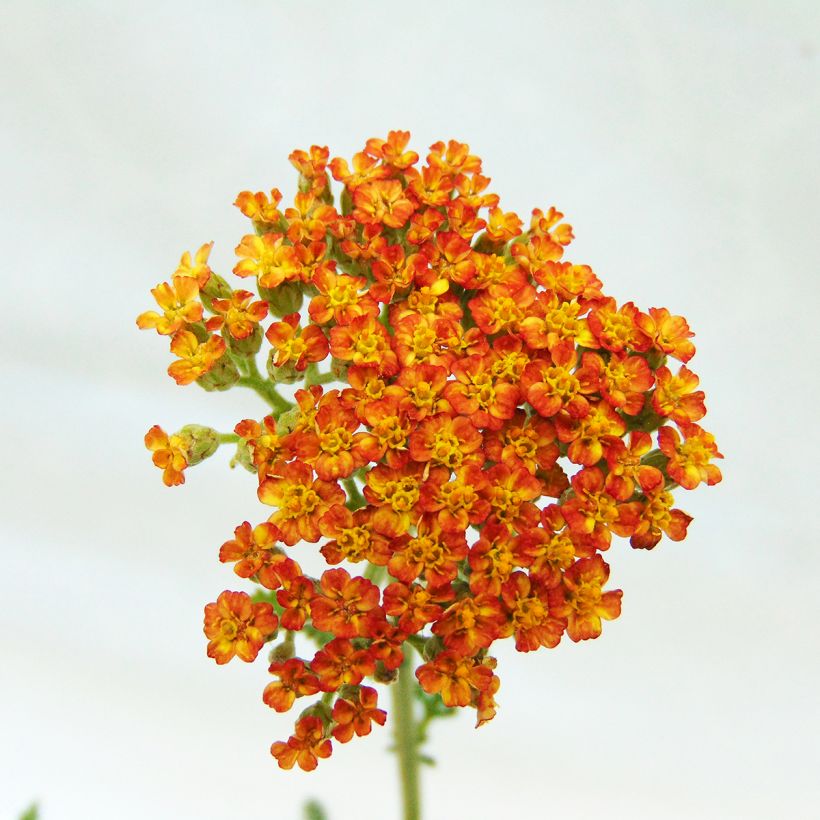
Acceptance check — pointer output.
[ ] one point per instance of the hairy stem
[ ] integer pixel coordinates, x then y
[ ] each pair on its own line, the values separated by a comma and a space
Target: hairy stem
406, 736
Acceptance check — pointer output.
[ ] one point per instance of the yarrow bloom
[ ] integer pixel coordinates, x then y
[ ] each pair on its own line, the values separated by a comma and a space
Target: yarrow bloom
497, 423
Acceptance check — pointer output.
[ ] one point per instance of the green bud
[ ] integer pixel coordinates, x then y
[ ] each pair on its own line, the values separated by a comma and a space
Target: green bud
433, 646
243, 456
282, 651
339, 369
656, 358
385, 675
284, 299
346, 201
215, 288
286, 374
288, 421
222, 376
245, 347
202, 442
200, 331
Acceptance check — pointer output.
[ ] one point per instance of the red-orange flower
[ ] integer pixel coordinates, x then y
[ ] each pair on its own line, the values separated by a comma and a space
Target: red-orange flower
301, 501
170, 454
295, 680
195, 358
355, 715
305, 746
235, 625
581, 600
344, 606
689, 459
296, 345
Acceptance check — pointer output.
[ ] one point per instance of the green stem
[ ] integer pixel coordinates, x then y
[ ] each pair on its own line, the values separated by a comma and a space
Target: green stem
355, 499
406, 735
228, 438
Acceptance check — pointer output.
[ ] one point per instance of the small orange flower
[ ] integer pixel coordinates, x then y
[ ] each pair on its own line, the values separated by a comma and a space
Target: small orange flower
345, 606
295, 680
301, 501
180, 306
689, 459
269, 259
197, 269
364, 341
195, 358
340, 662
235, 625
297, 345
259, 207
676, 397
305, 746
170, 454
457, 679
382, 202
357, 715
581, 600
238, 314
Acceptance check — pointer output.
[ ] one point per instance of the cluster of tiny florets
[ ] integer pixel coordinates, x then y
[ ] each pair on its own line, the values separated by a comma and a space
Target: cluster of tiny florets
500, 419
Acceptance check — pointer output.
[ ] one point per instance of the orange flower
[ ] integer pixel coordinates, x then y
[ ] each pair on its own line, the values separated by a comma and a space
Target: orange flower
415, 606
180, 306
170, 454
395, 493
588, 435
305, 746
235, 625
431, 552
657, 517
296, 345
295, 599
457, 679
259, 207
265, 447
456, 503
581, 600
529, 612
689, 459
295, 680
195, 358
268, 259
382, 202
676, 397
253, 552
197, 269
300, 500
341, 663
471, 624
345, 606
238, 314
357, 715
669, 333
339, 299
447, 442
354, 538
364, 341
331, 447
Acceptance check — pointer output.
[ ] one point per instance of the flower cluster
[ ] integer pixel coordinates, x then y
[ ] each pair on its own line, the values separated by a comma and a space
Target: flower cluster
497, 420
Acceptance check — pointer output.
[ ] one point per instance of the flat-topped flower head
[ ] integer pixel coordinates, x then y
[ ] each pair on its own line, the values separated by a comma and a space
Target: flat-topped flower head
459, 417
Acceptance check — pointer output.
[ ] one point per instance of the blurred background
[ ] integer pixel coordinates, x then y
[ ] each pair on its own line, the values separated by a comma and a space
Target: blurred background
680, 140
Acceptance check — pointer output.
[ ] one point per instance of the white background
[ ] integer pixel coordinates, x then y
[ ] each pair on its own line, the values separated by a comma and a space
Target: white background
681, 140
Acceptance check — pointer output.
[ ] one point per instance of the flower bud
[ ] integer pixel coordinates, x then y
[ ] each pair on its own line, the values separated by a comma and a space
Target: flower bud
243, 456
339, 368
215, 288
245, 347
202, 442
222, 376
285, 374
284, 299
287, 421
